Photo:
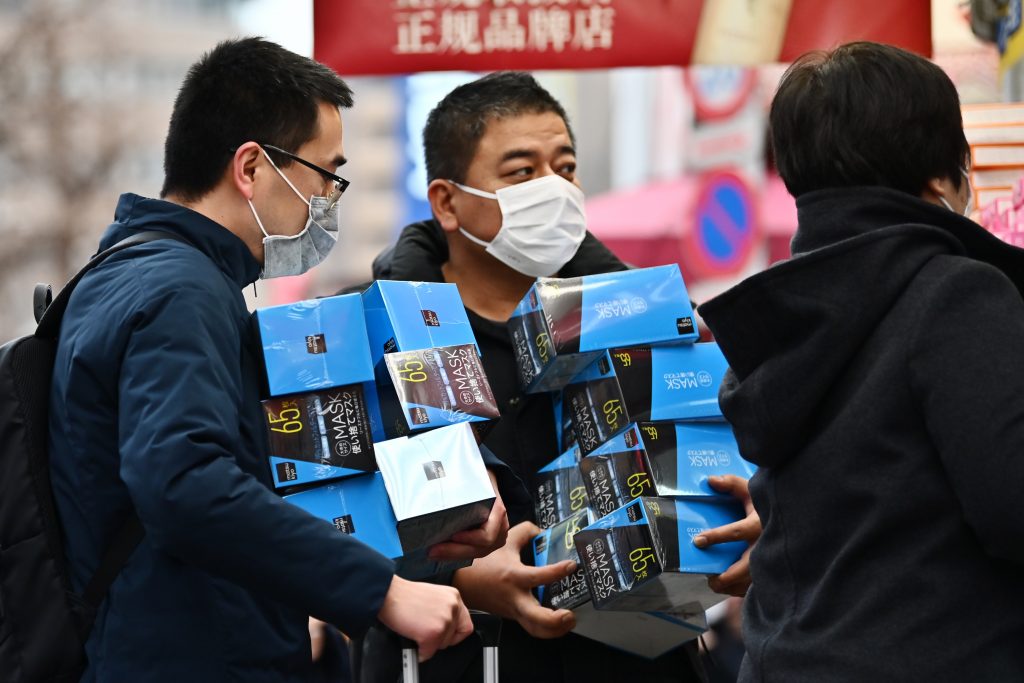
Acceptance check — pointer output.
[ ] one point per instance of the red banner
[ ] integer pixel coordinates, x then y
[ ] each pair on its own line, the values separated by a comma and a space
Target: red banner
406, 36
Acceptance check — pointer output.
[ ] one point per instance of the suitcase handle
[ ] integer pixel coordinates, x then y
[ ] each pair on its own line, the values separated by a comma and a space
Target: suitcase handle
487, 626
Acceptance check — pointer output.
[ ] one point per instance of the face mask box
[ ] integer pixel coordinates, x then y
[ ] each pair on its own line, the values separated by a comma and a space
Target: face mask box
437, 483
554, 545
321, 435
641, 557
359, 506
633, 384
672, 459
563, 324
409, 316
315, 344
558, 489
564, 433
640, 633
434, 387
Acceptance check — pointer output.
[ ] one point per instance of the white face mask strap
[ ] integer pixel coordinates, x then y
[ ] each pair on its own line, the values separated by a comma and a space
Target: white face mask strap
285, 178
257, 217
473, 190
473, 238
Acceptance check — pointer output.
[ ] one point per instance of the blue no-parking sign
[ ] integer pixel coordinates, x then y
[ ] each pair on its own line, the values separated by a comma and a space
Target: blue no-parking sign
724, 227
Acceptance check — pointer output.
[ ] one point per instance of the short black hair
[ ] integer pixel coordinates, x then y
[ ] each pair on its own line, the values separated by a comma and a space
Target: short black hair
243, 90
866, 114
455, 126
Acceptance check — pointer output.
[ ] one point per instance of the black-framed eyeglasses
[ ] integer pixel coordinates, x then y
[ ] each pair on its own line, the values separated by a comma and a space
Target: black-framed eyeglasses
340, 184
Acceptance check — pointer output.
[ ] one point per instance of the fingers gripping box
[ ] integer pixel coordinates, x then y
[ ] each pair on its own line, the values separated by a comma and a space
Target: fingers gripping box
554, 545
319, 436
314, 344
671, 459
632, 384
562, 325
647, 635
641, 557
359, 506
437, 484
559, 492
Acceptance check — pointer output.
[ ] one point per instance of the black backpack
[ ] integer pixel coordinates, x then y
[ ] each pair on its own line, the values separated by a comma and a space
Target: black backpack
44, 624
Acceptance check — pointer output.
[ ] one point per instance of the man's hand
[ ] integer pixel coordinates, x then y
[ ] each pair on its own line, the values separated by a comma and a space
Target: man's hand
317, 636
501, 584
480, 541
736, 579
433, 616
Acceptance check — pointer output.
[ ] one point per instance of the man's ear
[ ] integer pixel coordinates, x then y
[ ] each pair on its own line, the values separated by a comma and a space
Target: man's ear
440, 194
935, 188
242, 170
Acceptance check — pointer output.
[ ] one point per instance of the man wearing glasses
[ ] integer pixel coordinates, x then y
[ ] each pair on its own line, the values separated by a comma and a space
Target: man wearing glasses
155, 421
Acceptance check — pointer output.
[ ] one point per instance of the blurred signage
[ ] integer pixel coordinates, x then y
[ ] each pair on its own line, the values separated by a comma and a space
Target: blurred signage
724, 227
719, 92
1010, 37
407, 36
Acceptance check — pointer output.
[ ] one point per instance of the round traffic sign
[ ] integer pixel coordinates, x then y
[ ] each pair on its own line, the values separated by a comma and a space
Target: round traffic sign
724, 226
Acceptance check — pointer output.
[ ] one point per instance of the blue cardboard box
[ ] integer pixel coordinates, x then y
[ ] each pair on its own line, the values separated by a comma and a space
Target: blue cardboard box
359, 506
427, 362
437, 484
408, 316
565, 436
644, 383
434, 387
320, 435
671, 459
641, 557
564, 324
554, 545
558, 490
315, 344
640, 633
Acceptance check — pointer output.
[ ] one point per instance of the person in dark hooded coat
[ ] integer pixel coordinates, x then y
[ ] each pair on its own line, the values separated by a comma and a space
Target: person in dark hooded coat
877, 381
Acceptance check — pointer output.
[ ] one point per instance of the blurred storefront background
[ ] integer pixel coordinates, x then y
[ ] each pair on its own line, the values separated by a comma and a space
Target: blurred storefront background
673, 159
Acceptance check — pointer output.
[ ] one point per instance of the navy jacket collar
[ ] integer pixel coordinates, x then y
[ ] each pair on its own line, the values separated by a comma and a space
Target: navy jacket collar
224, 248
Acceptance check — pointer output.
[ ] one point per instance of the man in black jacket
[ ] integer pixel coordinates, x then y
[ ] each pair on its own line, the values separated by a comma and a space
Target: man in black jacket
507, 208
876, 380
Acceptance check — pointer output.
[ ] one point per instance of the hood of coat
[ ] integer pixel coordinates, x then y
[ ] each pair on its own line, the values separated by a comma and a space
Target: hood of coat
793, 329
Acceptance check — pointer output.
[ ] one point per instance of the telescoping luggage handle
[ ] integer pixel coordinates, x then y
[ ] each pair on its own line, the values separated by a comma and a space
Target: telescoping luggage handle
487, 626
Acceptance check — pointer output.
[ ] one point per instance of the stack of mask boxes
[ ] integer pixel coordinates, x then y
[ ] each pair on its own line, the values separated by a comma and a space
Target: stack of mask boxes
640, 398
426, 359
329, 395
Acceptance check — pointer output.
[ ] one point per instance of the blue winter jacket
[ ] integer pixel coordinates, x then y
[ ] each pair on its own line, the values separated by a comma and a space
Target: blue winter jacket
155, 406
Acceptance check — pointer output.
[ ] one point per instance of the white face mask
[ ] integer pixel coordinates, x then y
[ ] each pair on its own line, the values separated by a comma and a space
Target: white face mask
542, 224
294, 255
969, 207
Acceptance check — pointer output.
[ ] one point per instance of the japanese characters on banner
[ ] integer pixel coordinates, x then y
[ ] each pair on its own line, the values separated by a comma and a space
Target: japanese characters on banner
405, 36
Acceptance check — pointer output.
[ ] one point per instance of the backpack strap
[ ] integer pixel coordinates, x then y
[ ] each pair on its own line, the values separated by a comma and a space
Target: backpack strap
114, 558
49, 313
